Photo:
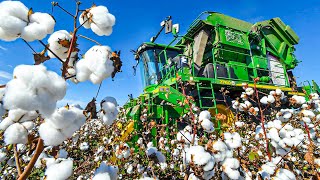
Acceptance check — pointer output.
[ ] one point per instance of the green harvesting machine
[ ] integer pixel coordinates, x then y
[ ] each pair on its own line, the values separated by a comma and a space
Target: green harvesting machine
217, 51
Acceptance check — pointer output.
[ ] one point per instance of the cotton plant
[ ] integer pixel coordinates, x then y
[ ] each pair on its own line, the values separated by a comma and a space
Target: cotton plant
28, 102
98, 19
18, 21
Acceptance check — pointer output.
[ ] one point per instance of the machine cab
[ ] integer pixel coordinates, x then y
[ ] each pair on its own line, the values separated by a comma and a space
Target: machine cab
154, 61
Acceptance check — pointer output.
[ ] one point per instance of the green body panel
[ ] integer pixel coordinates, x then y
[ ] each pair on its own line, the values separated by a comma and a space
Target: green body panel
217, 19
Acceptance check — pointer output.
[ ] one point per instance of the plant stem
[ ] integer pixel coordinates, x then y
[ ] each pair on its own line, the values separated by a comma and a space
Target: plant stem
46, 46
16, 158
56, 4
33, 160
262, 120
29, 46
85, 37
73, 41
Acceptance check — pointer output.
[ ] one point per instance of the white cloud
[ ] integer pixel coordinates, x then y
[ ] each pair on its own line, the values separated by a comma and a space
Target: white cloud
5, 75
64, 102
3, 48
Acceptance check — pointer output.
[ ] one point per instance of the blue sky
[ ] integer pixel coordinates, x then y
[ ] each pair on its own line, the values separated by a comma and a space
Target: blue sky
137, 21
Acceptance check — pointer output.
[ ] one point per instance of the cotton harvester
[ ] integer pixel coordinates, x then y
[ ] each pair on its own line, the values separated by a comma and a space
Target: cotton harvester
217, 51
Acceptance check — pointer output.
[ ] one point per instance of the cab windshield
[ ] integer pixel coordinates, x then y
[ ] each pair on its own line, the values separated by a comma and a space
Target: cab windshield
153, 64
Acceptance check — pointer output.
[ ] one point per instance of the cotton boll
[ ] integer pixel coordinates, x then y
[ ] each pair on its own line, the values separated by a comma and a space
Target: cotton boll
96, 66
84, 146
204, 115
50, 135
219, 150
97, 30
57, 47
239, 124
111, 170
34, 88
60, 171
101, 21
230, 166
233, 141
16, 134
16, 22
109, 110
207, 125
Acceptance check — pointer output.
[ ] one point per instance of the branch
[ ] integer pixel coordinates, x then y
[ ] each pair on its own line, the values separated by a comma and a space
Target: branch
16, 158
2, 86
85, 37
56, 4
29, 46
73, 40
33, 160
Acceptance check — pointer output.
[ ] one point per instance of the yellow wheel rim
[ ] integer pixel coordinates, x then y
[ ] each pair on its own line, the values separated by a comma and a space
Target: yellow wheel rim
222, 109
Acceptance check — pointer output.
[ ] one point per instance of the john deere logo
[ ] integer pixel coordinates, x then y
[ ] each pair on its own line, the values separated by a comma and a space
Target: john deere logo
233, 37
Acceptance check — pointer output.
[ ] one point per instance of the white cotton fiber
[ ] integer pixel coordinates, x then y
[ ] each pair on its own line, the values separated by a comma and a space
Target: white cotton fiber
14, 8
34, 88
56, 46
111, 170
96, 65
204, 115
109, 110
44, 20
100, 20
6, 123
207, 125
28, 125
50, 135
15, 22
60, 171
62, 124
16, 134
102, 176
62, 117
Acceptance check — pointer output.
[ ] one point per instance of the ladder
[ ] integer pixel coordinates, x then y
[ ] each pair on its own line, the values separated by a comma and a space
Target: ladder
201, 86
207, 85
